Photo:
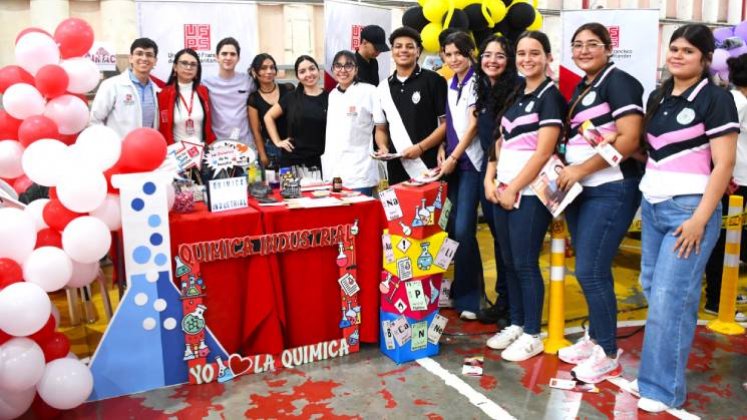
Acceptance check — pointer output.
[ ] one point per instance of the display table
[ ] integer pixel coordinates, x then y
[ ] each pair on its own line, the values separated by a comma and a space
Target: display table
244, 296
311, 294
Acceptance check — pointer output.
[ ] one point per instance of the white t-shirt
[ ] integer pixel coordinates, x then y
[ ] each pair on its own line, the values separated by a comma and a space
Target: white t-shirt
181, 115
349, 136
228, 106
740, 169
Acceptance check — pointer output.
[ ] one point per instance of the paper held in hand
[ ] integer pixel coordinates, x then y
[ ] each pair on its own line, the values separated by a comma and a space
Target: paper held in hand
592, 136
546, 187
387, 156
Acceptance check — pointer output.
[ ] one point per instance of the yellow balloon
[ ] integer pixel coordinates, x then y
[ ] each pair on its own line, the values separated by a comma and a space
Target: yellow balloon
537, 24
422, 2
496, 9
461, 4
429, 35
434, 10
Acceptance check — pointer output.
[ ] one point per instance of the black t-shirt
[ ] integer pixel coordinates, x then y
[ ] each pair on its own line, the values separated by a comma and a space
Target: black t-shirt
308, 131
420, 101
368, 71
257, 102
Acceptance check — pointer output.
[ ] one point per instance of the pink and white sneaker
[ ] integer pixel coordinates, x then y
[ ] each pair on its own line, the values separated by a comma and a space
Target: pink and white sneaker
577, 352
598, 367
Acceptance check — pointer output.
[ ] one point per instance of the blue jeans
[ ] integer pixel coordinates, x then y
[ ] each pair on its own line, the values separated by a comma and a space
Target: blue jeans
598, 220
365, 191
521, 233
463, 192
672, 287
487, 210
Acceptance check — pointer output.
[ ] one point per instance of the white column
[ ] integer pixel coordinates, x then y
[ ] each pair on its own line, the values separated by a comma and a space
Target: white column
572, 4
47, 14
734, 12
119, 24
710, 11
629, 4
685, 10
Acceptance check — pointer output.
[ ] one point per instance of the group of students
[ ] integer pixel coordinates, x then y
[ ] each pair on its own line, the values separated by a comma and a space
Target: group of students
490, 128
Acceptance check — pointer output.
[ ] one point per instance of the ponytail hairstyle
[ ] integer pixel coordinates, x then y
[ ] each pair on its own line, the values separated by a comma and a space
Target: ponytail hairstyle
294, 105
738, 70
491, 97
701, 38
173, 78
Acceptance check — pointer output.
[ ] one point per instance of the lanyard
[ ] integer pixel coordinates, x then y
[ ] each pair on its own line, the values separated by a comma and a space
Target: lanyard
191, 103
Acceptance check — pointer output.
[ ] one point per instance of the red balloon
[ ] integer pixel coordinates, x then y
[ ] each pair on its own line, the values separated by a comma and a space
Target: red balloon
8, 126
68, 139
114, 170
10, 272
74, 36
82, 96
143, 150
51, 81
56, 347
4, 337
10, 75
37, 127
29, 30
53, 193
45, 333
21, 184
57, 216
42, 410
48, 237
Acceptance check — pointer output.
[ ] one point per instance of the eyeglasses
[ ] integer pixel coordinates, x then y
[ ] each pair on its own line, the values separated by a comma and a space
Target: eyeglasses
146, 54
187, 64
495, 56
346, 66
591, 46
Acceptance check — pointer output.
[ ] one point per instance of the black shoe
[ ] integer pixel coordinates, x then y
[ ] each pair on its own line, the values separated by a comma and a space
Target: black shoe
492, 314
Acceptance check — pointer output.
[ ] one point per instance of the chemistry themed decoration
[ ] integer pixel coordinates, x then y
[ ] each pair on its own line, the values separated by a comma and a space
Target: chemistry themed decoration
416, 254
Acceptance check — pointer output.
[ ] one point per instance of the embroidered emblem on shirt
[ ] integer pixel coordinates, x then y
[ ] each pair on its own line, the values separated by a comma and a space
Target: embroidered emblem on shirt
128, 99
686, 116
529, 107
416, 97
589, 98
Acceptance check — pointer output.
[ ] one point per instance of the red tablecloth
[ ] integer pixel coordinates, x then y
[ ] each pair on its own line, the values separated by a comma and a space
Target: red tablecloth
244, 300
309, 277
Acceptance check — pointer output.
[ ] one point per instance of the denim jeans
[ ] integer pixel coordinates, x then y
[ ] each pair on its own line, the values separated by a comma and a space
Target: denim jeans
467, 289
487, 210
521, 233
672, 287
597, 220
365, 191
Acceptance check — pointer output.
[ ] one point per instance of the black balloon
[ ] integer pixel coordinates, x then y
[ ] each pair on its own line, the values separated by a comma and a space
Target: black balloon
476, 19
459, 20
413, 17
520, 15
481, 35
507, 2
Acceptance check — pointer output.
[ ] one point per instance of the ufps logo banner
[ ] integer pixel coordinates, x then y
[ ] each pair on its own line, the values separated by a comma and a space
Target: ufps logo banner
199, 25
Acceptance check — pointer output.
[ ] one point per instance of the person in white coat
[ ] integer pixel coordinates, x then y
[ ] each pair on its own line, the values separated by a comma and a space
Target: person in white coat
128, 101
351, 112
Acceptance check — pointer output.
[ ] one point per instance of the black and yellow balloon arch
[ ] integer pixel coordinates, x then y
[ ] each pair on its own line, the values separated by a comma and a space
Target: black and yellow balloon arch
481, 18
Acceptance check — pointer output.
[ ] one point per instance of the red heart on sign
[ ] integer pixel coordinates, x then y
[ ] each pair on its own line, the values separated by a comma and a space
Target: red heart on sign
239, 365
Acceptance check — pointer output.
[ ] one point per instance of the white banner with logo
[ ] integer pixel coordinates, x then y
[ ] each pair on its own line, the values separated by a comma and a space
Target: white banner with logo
634, 33
342, 27
199, 25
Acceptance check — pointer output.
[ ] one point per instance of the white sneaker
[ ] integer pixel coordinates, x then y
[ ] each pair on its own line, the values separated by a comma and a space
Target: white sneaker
740, 317
525, 347
577, 352
652, 406
598, 367
468, 315
634, 387
505, 337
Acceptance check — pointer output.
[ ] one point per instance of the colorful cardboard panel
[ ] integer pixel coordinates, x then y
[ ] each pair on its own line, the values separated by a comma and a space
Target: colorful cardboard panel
394, 290
415, 346
421, 209
414, 258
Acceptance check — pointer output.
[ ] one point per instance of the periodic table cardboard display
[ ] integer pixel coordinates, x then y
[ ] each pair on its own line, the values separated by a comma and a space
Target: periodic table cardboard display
420, 207
404, 339
416, 299
407, 258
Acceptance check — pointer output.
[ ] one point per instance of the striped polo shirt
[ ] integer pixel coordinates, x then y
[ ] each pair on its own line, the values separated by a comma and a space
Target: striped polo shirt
520, 125
613, 95
678, 137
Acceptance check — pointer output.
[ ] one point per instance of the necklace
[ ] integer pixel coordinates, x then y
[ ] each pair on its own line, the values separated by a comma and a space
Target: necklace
274, 86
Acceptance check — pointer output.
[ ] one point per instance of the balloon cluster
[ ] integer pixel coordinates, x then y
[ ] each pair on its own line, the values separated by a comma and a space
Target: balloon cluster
730, 42
481, 18
56, 242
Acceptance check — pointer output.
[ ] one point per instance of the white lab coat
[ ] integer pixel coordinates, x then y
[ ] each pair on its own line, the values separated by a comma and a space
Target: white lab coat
117, 105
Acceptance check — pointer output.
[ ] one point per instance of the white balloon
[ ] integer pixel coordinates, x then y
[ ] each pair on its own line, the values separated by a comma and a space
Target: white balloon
99, 145
17, 234
86, 239
72, 355
35, 50
83, 274
66, 383
44, 161
49, 267
24, 309
35, 209
82, 189
23, 361
109, 212
11, 152
83, 74
22, 100
13, 404
69, 112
